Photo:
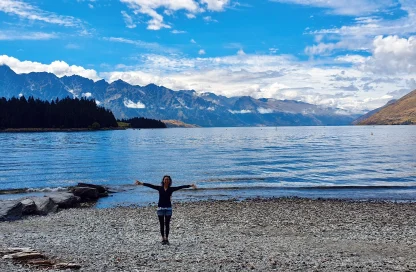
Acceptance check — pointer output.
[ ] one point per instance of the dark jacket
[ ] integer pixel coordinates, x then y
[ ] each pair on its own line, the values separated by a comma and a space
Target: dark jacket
164, 195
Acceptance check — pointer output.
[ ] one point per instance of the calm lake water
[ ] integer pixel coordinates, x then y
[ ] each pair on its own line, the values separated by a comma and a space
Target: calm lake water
336, 162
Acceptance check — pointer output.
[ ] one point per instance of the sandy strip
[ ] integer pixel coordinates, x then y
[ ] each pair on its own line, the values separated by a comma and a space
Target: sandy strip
256, 235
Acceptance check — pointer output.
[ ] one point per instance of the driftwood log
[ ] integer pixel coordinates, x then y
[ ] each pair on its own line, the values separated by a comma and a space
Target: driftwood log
33, 258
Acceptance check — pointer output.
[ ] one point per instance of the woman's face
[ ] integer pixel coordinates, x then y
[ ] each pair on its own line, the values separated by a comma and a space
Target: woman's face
166, 181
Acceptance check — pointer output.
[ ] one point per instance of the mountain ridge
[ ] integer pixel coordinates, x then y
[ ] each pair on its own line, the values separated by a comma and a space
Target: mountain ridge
399, 112
161, 103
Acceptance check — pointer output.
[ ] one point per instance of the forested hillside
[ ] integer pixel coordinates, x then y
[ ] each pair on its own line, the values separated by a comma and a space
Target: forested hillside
141, 122
65, 113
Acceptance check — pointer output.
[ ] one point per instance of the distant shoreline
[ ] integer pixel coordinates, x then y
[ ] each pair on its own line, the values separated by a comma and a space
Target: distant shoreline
56, 129
63, 129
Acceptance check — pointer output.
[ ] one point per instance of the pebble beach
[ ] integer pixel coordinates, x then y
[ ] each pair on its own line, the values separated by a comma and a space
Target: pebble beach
282, 234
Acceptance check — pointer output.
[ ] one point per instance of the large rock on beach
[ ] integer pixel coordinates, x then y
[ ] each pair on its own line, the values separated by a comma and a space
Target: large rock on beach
86, 193
65, 200
102, 191
45, 205
10, 210
29, 206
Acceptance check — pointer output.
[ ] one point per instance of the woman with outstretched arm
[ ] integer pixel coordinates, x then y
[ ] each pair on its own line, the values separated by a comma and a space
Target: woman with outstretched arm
164, 206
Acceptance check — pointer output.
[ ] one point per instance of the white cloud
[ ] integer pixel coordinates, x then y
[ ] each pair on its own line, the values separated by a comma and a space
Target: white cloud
132, 77
359, 34
168, 12
209, 19
149, 7
193, 41
215, 5
411, 83
322, 48
349, 88
90, 6
393, 55
273, 50
72, 46
345, 7
128, 20
178, 31
241, 52
350, 43
15, 36
59, 68
201, 52
27, 11
356, 59
139, 43
156, 22
130, 104
154, 8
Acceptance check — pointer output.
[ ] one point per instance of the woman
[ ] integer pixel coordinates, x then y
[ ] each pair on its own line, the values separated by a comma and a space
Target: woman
164, 210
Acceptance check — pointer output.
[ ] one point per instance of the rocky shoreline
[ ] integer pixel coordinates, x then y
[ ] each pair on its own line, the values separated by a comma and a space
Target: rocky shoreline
284, 234
57, 129
83, 194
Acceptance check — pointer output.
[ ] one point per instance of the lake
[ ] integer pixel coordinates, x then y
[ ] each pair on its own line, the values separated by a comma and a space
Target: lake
358, 162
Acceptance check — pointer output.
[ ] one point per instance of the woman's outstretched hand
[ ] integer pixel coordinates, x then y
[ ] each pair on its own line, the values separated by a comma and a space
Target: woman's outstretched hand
138, 182
193, 186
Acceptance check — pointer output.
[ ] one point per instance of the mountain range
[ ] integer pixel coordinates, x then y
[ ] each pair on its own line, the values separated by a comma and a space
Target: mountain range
157, 102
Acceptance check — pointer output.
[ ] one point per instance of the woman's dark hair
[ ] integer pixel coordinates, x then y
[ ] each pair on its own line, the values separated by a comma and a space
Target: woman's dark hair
170, 180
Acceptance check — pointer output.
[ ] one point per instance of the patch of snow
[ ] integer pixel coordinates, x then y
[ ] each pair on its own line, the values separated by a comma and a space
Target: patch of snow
130, 104
240, 112
264, 110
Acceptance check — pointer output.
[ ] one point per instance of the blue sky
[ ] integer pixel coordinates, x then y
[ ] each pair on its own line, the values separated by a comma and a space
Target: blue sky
355, 55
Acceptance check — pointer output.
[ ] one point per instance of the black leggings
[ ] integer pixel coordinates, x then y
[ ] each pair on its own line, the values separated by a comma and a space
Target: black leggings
164, 221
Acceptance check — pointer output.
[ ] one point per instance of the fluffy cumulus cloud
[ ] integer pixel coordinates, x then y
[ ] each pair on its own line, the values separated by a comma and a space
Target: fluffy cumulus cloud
59, 68
393, 55
151, 8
